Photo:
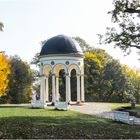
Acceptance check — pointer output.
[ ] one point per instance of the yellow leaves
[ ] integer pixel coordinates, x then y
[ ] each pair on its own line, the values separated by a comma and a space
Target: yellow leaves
94, 58
132, 73
137, 72
4, 72
90, 56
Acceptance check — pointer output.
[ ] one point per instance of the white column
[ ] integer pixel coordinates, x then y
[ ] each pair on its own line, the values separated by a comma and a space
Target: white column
47, 89
69, 90
78, 88
42, 89
82, 89
57, 88
53, 89
68, 94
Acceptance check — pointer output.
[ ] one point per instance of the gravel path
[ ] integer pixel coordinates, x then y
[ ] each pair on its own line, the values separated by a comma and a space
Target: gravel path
102, 110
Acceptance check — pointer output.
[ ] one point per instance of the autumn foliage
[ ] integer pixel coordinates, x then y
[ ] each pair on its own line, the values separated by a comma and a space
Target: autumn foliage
107, 80
4, 73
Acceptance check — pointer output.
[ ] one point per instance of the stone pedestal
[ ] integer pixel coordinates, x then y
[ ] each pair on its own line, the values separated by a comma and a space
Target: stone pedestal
38, 104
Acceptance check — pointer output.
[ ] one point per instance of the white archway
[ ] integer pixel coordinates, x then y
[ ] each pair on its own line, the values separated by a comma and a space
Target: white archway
74, 66
78, 72
56, 69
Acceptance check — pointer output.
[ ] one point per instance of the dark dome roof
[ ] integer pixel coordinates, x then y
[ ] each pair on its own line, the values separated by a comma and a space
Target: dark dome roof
61, 44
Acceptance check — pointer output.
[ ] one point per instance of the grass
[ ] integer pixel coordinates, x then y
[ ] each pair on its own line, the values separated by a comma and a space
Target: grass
19, 123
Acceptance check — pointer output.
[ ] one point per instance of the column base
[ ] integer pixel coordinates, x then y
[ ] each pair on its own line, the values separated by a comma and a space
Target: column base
69, 103
78, 102
52, 103
82, 101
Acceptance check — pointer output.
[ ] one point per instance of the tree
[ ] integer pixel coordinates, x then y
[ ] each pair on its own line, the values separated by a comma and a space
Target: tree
116, 83
136, 83
35, 59
1, 26
126, 33
20, 81
106, 79
4, 74
134, 77
92, 70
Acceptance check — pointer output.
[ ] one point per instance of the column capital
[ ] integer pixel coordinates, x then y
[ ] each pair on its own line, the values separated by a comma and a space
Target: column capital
47, 76
82, 74
67, 74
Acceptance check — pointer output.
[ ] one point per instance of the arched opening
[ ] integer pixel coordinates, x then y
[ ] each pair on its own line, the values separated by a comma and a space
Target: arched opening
73, 81
50, 87
74, 69
62, 85
60, 70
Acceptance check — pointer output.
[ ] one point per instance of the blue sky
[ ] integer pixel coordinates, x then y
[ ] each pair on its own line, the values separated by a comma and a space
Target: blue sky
27, 22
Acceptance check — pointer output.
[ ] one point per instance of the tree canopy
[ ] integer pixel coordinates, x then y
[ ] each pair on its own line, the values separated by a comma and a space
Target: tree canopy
20, 80
126, 32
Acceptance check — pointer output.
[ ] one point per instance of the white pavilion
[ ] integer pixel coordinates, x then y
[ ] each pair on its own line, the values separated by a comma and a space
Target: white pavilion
60, 53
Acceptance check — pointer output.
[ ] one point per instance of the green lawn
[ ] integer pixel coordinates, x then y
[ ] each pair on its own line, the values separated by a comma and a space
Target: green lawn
39, 123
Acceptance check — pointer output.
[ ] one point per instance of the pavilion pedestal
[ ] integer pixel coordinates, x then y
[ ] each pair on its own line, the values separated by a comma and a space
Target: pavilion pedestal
38, 104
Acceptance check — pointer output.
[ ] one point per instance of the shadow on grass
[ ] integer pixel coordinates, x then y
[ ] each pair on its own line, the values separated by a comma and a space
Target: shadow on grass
76, 126
14, 106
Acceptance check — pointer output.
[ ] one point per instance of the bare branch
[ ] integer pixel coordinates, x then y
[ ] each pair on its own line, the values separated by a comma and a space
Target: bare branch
134, 36
130, 10
135, 46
